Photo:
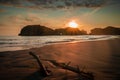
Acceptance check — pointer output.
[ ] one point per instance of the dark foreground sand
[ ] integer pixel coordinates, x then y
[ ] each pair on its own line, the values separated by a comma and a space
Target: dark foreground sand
100, 57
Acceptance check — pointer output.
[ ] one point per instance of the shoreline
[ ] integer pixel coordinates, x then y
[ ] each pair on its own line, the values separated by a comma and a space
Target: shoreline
59, 42
97, 56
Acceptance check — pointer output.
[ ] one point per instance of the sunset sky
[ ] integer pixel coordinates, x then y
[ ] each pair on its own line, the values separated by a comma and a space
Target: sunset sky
88, 14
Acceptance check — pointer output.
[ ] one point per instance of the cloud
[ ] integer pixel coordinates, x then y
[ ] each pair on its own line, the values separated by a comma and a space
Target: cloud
2, 10
67, 3
21, 20
10, 2
114, 2
1, 24
41, 4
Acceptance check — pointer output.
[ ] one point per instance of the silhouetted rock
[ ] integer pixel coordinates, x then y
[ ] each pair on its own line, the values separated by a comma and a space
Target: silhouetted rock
38, 30
97, 31
72, 31
69, 31
106, 31
35, 30
60, 31
112, 30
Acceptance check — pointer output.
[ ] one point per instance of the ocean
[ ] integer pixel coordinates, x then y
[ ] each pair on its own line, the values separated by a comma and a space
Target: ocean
13, 43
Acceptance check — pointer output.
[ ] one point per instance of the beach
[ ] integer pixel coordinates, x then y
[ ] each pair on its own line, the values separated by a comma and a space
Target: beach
99, 57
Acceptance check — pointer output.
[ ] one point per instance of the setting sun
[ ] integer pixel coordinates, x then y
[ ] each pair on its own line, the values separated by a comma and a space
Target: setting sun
73, 24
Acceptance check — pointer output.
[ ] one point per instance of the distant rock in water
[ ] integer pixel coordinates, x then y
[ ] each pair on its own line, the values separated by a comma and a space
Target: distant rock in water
35, 30
106, 31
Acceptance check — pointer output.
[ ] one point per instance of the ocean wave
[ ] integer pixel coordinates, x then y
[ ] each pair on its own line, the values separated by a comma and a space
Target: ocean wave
39, 41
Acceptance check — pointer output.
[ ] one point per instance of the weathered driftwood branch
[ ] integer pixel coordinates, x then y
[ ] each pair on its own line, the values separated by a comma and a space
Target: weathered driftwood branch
42, 68
87, 75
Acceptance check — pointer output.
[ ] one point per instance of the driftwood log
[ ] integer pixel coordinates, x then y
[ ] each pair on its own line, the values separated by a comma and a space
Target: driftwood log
41, 66
85, 75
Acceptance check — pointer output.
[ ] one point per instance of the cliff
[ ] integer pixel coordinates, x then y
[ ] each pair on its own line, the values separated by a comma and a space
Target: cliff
106, 31
35, 30
38, 30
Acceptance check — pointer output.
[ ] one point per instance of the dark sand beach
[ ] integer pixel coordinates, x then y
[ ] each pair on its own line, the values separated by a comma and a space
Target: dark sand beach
100, 57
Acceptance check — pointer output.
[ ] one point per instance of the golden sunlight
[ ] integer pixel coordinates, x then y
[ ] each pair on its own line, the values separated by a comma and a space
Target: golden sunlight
73, 24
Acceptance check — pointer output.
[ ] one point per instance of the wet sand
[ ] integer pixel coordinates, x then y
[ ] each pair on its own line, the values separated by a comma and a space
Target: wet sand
100, 57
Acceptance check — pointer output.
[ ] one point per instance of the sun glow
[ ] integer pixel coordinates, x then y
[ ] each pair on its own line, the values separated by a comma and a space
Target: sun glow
73, 24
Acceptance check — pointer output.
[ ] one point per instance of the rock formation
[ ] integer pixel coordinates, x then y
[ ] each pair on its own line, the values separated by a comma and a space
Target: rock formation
35, 30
